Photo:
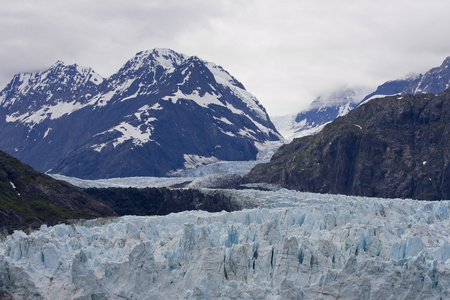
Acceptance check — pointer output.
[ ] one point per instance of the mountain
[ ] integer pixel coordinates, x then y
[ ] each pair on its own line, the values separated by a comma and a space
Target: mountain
293, 246
161, 112
325, 109
434, 81
29, 199
395, 147
395, 87
322, 110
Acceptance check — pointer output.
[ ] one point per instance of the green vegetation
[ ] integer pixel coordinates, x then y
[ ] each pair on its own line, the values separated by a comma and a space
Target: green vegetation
46, 181
13, 162
44, 210
8, 201
40, 209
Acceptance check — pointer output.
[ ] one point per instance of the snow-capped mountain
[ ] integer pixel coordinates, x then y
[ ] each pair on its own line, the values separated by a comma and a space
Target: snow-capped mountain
161, 112
293, 246
322, 110
394, 87
434, 81
327, 108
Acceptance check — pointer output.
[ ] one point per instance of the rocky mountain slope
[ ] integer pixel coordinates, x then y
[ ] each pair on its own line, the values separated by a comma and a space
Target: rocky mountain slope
29, 199
326, 109
161, 112
397, 146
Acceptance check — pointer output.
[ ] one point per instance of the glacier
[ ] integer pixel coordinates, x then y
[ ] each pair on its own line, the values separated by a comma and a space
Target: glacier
292, 245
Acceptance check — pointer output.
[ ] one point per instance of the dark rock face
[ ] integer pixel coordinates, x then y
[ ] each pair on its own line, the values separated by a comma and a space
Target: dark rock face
390, 147
162, 111
29, 199
161, 201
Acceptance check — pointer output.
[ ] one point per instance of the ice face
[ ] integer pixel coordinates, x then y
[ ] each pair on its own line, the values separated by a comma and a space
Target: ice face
293, 246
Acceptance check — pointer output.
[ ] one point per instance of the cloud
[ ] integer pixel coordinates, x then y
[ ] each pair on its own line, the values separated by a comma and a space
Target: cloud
285, 52
102, 33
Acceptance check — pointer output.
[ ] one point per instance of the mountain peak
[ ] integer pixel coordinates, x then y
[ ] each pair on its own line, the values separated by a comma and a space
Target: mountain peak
58, 64
409, 76
339, 97
446, 62
164, 57
165, 52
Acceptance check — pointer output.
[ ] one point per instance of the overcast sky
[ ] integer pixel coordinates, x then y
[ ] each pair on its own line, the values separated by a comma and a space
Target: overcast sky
286, 53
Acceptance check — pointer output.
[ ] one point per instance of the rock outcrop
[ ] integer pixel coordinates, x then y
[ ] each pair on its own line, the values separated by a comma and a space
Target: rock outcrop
162, 201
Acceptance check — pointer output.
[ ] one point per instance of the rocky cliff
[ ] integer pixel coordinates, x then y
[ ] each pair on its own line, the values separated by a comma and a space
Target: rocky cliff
162, 201
392, 147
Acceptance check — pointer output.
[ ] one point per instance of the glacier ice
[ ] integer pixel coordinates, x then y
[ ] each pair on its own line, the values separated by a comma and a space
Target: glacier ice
293, 246
201, 176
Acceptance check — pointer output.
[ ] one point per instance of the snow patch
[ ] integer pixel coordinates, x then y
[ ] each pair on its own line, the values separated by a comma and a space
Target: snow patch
46, 132
139, 135
246, 132
12, 184
228, 133
376, 97
130, 97
205, 100
14, 187
51, 112
102, 99
224, 120
156, 106
224, 78
344, 109
193, 160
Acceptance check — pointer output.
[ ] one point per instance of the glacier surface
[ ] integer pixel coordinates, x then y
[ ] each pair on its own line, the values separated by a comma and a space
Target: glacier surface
200, 176
293, 246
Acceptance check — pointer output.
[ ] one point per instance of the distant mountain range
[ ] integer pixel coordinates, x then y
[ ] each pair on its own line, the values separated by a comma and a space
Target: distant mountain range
327, 108
321, 111
161, 112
